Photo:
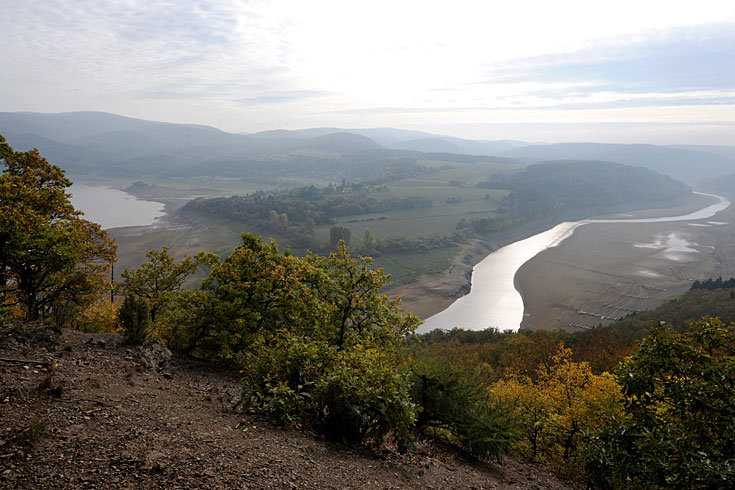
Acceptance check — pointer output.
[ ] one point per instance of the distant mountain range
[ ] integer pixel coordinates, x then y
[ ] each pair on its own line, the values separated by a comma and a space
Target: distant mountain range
85, 142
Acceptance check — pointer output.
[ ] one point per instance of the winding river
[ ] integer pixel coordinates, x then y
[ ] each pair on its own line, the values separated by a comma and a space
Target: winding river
493, 299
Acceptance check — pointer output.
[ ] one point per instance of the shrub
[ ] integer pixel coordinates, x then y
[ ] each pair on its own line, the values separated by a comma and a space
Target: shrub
134, 320
100, 316
459, 406
352, 395
314, 338
678, 429
184, 323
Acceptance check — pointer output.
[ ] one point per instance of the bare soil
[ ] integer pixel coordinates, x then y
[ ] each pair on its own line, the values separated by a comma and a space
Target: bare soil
613, 270
82, 410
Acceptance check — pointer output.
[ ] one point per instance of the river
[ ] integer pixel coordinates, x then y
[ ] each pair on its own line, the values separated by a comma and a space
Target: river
113, 208
493, 300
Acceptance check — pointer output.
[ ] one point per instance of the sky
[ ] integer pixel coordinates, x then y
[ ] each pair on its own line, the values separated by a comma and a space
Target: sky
643, 71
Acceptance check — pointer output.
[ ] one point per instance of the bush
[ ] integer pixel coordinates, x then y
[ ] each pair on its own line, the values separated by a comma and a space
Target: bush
313, 337
678, 429
354, 395
460, 407
100, 316
184, 323
134, 320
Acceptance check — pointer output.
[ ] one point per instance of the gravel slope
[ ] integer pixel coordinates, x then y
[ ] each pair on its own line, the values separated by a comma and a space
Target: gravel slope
112, 417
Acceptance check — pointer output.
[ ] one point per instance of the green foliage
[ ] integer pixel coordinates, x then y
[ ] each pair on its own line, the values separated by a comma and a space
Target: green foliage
679, 424
419, 243
185, 323
545, 190
155, 280
134, 320
368, 239
449, 401
339, 234
711, 284
52, 261
6, 150
314, 338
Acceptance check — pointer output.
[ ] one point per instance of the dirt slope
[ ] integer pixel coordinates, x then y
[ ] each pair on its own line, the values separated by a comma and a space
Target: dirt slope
106, 415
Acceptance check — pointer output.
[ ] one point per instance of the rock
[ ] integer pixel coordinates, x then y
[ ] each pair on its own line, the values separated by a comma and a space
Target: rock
155, 355
96, 343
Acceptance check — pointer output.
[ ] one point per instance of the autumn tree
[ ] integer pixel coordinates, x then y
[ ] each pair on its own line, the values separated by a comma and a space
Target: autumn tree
154, 280
554, 410
50, 257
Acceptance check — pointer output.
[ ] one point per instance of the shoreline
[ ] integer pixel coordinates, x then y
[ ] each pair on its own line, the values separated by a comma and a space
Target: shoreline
432, 294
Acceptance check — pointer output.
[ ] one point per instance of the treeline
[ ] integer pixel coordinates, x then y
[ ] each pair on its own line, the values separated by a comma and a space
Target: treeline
418, 243
303, 207
370, 169
711, 284
546, 190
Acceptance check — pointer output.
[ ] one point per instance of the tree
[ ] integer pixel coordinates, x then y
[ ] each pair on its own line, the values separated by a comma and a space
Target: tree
5, 149
153, 281
337, 234
451, 401
678, 430
355, 304
368, 239
49, 256
555, 410
134, 320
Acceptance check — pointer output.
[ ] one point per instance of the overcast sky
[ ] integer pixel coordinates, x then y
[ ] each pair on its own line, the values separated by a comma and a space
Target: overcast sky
624, 71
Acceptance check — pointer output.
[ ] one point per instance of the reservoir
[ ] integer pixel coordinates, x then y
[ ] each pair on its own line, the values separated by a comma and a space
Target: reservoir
493, 300
113, 208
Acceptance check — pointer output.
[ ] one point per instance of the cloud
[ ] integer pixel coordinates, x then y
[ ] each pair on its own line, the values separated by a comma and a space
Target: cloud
281, 97
248, 65
683, 60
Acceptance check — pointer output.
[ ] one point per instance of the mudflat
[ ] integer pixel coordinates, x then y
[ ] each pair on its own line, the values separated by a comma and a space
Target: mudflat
607, 271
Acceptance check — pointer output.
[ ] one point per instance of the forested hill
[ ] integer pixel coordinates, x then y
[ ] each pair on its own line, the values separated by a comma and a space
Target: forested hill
686, 164
595, 183
552, 189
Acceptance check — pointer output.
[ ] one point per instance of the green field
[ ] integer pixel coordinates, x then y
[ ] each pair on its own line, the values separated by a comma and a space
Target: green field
407, 267
451, 203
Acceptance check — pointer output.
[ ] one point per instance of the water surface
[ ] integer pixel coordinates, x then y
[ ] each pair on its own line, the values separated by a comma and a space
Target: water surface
113, 208
493, 300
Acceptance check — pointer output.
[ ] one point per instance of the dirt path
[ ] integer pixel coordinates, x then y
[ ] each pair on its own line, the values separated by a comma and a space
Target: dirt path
106, 418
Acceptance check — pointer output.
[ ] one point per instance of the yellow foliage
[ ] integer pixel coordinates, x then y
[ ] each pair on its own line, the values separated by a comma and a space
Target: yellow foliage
100, 316
553, 412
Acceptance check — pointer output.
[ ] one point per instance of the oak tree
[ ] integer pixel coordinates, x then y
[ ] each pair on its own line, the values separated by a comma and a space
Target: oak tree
154, 280
50, 257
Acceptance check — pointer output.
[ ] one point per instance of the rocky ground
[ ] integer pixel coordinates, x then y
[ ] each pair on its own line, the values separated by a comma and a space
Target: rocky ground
82, 410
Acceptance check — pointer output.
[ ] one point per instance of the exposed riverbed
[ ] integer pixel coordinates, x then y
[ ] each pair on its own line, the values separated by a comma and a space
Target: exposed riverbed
494, 300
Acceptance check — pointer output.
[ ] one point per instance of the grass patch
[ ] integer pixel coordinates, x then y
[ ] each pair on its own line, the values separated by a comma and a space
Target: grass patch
407, 267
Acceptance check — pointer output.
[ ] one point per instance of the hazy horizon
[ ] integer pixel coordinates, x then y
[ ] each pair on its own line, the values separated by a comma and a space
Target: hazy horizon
630, 72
